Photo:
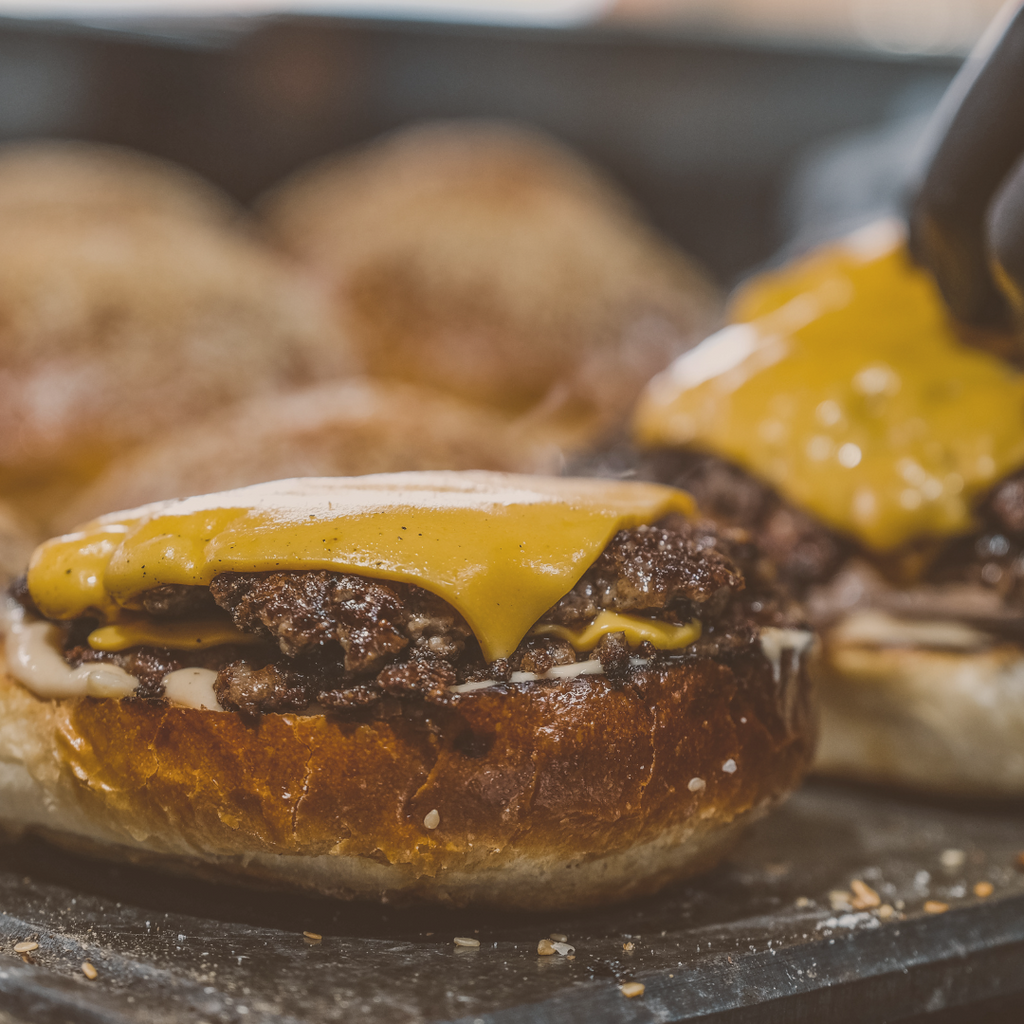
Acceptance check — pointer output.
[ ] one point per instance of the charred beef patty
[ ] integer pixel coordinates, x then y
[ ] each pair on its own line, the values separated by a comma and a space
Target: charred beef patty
978, 578
346, 642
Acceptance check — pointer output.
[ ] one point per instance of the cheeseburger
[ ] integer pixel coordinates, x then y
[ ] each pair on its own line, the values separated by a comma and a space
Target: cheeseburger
475, 688
879, 459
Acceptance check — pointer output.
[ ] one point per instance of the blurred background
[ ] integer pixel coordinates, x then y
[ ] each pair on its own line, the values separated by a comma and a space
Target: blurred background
234, 234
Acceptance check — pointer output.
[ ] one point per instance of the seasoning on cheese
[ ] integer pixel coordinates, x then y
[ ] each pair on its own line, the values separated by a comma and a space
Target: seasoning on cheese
848, 391
666, 636
500, 548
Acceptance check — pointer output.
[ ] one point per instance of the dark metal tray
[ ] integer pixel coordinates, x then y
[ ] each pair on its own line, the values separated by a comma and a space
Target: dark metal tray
757, 940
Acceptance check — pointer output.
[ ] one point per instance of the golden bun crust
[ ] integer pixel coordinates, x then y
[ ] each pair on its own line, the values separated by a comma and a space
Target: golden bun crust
47, 177
490, 261
567, 794
346, 428
948, 722
115, 329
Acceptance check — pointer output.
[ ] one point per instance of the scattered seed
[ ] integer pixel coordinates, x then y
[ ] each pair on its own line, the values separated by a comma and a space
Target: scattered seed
885, 911
952, 858
571, 956
558, 937
89, 971
695, 785
935, 907
26, 947
628, 947
432, 820
563, 948
840, 899
461, 940
632, 989
545, 947
864, 897
312, 938
801, 903
729, 767
984, 889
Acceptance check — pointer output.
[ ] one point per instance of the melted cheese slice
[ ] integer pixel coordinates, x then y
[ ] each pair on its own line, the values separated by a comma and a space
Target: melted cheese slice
847, 390
175, 635
500, 548
666, 636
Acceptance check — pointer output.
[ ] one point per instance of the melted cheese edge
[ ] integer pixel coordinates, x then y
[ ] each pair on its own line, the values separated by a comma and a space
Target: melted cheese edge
846, 389
500, 548
665, 636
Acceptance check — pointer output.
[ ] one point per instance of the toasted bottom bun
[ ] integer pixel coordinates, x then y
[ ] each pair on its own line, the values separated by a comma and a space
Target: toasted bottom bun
943, 721
556, 795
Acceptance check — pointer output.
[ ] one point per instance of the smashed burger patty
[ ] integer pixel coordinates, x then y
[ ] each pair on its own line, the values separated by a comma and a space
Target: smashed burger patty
977, 578
343, 641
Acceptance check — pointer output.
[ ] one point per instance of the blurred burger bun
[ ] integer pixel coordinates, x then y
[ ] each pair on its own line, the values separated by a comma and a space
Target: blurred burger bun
56, 174
345, 428
17, 541
489, 261
121, 318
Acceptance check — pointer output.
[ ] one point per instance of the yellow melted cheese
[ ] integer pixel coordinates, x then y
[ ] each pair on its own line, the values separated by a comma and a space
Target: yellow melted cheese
664, 635
174, 635
500, 548
847, 390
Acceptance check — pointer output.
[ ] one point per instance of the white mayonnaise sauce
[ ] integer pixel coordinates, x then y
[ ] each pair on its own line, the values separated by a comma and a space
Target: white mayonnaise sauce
774, 641
578, 668
34, 658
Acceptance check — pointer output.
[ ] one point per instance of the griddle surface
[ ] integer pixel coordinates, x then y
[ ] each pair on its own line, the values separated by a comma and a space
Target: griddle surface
740, 944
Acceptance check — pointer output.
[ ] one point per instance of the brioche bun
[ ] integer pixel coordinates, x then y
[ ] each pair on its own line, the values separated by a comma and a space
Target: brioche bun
113, 329
542, 795
944, 721
49, 176
489, 261
346, 428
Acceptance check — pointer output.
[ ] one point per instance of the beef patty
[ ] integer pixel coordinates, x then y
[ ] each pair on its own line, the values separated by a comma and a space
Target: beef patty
345, 642
977, 578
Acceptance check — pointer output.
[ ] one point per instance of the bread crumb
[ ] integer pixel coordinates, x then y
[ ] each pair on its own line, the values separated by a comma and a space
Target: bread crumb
312, 938
545, 947
432, 820
628, 947
840, 899
571, 956
632, 989
461, 940
26, 947
729, 767
558, 937
952, 858
864, 897
935, 907
885, 911
984, 889
801, 902
89, 971
695, 785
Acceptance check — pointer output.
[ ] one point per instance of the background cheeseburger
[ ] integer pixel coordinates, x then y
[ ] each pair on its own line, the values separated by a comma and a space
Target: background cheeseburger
471, 687
879, 459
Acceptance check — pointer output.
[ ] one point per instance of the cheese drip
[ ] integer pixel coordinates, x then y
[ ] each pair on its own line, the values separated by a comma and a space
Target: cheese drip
848, 391
666, 636
500, 548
